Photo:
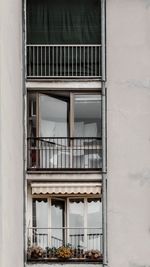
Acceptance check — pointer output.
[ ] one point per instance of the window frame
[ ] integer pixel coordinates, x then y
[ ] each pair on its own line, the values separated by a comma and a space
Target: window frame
66, 209
70, 112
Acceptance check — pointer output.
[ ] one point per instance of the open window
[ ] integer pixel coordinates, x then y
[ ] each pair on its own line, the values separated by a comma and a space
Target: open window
64, 130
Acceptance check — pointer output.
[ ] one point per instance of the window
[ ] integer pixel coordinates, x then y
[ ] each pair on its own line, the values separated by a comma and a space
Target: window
64, 38
75, 222
64, 130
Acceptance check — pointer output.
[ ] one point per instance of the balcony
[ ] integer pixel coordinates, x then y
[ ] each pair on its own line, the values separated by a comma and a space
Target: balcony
45, 153
64, 61
60, 244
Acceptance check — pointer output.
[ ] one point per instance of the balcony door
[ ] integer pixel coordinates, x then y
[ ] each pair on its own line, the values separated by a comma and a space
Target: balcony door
57, 223
74, 221
53, 130
53, 116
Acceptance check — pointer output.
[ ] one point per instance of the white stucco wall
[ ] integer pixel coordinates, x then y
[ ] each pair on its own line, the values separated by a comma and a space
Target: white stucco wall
11, 135
128, 70
64, 177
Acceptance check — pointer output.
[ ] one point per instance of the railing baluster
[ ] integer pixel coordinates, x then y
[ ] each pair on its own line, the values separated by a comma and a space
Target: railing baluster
53, 153
41, 62
80, 60
30, 53
64, 61
60, 60
95, 61
99, 61
68, 60
88, 59
91, 60
37, 61
56, 60
84, 60
76, 61
45, 59
72, 60
33, 60
53, 50
49, 60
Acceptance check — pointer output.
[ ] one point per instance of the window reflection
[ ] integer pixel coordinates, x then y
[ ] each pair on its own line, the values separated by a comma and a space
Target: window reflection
76, 220
53, 116
40, 220
94, 223
57, 221
87, 115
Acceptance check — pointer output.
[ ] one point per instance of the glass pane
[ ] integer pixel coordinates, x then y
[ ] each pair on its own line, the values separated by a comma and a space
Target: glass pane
53, 117
76, 221
87, 127
40, 221
87, 115
54, 152
94, 223
57, 221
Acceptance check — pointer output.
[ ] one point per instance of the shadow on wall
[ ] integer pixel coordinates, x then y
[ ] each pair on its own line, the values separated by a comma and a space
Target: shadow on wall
147, 2
141, 177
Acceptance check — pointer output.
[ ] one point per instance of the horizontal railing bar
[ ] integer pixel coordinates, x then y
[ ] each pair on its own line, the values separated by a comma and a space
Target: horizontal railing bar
74, 228
64, 45
68, 138
69, 76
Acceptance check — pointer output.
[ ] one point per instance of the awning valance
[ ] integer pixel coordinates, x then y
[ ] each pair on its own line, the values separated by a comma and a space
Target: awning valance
66, 188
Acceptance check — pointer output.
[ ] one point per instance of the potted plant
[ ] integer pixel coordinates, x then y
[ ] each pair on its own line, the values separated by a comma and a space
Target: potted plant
51, 252
78, 253
93, 254
64, 253
35, 252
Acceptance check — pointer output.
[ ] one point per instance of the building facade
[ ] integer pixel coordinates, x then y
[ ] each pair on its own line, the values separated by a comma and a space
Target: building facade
74, 185
65, 104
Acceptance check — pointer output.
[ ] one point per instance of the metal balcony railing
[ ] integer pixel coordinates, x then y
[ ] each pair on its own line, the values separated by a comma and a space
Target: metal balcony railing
45, 153
64, 61
83, 243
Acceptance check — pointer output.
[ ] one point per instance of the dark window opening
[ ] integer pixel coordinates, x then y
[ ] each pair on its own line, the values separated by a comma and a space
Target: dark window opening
63, 21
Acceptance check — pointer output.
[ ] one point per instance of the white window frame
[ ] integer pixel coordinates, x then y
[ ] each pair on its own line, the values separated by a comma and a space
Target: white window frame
66, 211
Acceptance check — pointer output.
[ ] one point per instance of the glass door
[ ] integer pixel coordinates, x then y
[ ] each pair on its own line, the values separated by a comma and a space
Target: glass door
87, 130
94, 224
40, 222
54, 131
57, 223
76, 224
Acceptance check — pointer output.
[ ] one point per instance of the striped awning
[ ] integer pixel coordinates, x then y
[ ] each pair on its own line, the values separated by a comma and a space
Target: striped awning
66, 188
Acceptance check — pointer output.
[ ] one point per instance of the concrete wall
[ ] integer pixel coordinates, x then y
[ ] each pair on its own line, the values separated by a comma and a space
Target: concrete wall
64, 177
128, 70
11, 135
